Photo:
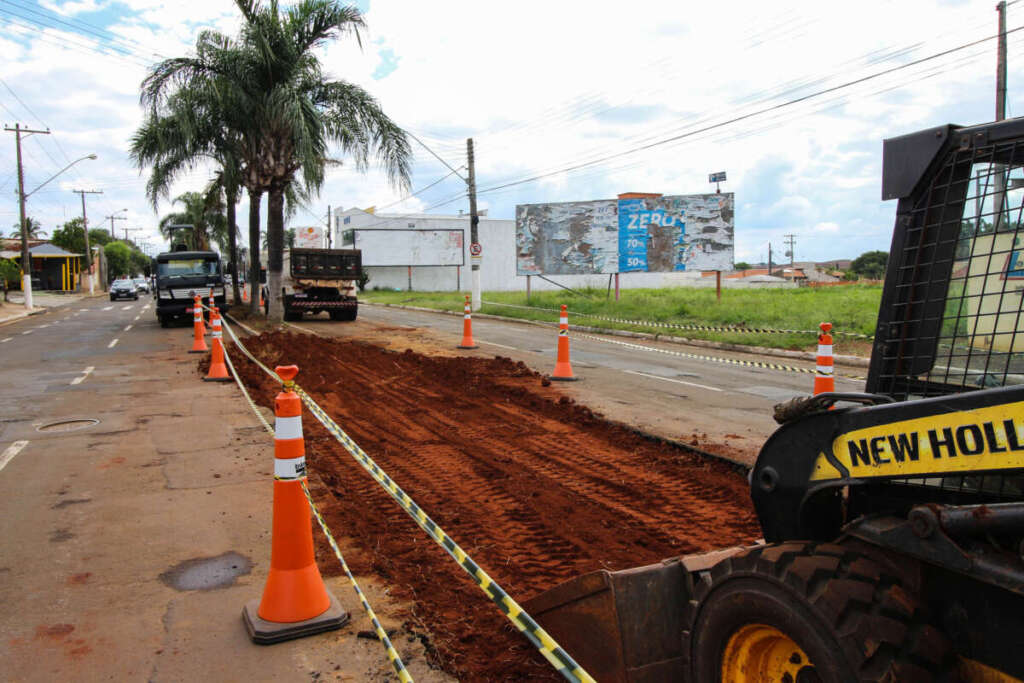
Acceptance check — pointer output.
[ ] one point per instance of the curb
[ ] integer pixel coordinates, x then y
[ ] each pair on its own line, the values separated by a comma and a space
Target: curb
849, 361
21, 316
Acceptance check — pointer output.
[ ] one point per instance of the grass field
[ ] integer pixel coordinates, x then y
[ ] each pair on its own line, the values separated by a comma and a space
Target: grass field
850, 309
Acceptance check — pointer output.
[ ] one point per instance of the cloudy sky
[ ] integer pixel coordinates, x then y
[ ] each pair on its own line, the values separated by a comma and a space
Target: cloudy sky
582, 100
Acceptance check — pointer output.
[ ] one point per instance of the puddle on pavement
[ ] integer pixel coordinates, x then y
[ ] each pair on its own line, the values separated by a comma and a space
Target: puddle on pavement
207, 573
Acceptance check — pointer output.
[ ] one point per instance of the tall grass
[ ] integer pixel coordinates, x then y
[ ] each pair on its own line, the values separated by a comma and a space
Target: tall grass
850, 309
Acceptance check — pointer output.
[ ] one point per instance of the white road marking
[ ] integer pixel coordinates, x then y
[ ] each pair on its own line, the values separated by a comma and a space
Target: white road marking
83, 310
481, 341
112, 344
39, 327
126, 308
27, 332
6, 340
12, 450
80, 379
107, 308
677, 381
127, 328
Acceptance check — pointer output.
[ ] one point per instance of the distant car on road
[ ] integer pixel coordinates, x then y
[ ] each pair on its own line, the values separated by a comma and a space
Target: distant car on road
141, 284
123, 289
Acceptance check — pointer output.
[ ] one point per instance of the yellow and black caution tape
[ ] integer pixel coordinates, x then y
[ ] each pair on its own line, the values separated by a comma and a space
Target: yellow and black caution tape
683, 326
545, 644
393, 656
714, 359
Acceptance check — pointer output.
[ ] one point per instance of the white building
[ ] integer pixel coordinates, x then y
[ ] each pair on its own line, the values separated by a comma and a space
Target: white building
497, 269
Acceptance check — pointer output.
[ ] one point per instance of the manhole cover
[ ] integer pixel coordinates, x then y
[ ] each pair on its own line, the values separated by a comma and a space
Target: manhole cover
68, 425
207, 573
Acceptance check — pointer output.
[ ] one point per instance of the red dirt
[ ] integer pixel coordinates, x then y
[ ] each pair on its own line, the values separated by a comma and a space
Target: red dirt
536, 488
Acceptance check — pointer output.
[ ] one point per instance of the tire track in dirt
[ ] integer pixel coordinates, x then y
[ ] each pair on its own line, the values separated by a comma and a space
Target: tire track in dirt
536, 488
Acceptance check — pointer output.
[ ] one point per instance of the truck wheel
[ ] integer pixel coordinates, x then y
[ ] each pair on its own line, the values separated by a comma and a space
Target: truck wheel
163, 321
344, 314
292, 316
807, 612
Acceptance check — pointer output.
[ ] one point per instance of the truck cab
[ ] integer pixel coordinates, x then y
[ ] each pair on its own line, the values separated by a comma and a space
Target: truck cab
180, 275
317, 280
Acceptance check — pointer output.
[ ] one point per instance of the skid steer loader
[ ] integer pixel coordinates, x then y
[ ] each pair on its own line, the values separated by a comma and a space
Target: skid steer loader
893, 522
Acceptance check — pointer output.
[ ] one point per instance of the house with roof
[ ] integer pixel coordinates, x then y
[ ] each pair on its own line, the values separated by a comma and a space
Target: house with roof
53, 268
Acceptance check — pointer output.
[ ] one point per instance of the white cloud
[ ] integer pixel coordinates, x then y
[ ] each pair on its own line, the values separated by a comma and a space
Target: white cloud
541, 86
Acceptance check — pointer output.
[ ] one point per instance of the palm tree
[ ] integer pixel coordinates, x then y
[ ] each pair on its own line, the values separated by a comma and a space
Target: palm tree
284, 110
203, 211
33, 228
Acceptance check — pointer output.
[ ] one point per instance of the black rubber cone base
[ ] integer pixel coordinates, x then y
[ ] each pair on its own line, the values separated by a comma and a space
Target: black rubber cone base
460, 346
265, 632
217, 379
203, 351
563, 379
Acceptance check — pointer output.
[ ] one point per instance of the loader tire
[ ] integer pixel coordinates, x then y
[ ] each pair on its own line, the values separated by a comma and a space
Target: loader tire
808, 613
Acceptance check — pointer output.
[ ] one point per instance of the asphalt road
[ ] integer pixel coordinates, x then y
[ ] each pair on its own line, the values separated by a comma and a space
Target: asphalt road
722, 406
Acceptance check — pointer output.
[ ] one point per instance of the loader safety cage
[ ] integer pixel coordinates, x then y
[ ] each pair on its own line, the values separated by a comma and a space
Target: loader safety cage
951, 318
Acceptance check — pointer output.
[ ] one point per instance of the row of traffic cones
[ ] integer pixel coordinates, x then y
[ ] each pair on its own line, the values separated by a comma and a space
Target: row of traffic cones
563, 368
295, 601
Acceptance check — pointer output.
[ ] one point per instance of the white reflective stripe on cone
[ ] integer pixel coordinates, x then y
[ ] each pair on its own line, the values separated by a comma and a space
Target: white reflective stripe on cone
289, 468
563, 321
288, 427
824, 349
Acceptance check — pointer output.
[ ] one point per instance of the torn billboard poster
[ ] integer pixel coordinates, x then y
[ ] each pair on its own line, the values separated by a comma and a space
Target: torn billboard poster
649, 234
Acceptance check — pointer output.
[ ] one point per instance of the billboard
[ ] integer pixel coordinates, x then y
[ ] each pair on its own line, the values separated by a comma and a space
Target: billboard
647, 234
309, 237
410, 247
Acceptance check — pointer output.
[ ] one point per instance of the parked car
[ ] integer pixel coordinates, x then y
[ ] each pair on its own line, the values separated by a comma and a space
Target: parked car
141, 284
123, 289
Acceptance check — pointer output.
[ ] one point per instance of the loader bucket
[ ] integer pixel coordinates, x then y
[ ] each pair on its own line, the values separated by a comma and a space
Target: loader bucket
624, 626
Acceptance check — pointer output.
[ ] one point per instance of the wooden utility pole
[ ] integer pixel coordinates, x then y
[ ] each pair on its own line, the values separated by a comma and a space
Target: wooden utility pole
26, 256
769, 258
85, 227
999, 170
474, 221
791, 241
113, 217
330, 228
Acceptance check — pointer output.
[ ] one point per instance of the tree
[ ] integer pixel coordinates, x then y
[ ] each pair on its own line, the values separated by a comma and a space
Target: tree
119, 259
741, 265
285, 112
289, 239
203, 211
33, 228
71, 237
870, 265
9, 273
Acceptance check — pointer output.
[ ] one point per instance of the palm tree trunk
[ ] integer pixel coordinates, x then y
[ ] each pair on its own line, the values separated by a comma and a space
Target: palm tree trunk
254, 251
232, 198
275, 252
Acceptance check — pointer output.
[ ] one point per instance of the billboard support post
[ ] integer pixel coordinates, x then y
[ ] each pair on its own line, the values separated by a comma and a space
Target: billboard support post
718, 285
458, 278
616, 286
410, 277
527, 290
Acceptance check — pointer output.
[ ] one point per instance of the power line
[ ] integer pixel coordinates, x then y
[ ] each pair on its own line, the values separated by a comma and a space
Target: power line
750, 115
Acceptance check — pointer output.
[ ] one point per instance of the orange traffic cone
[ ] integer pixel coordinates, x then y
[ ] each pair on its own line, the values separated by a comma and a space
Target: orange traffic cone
198, 343
218, 370
467, 328
295, 601
824, 379
245, 293
563, 370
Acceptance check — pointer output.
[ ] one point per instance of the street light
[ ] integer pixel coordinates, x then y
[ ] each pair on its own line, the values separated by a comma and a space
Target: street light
26, 257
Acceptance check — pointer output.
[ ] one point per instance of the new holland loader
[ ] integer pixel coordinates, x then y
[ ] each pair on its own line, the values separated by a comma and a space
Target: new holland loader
893, 520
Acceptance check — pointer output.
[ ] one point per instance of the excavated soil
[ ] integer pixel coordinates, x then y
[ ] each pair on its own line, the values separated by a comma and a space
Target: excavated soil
536, 488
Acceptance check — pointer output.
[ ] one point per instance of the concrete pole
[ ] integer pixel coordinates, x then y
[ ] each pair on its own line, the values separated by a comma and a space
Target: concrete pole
999, 170
26, 256
474, 221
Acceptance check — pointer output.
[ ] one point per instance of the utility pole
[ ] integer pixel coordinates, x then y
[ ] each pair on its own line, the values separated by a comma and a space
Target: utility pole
769, 258
791, 241
26, 257
999, 170
114, 217
127, 230
85, 227
474, 221
330, 228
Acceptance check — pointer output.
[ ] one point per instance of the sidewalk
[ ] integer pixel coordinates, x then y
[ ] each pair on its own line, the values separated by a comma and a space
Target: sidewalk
130, 546
14, 309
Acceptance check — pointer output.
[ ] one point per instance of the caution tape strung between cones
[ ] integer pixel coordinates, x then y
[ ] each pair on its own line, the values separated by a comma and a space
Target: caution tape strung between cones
683, 326
713, 359
545, 644
396, 661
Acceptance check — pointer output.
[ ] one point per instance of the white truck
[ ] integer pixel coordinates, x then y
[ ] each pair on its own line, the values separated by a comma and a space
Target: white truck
316, 280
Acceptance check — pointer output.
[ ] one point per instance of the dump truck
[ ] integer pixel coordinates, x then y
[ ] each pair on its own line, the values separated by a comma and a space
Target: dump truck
893, 519
316, 280
180, 275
